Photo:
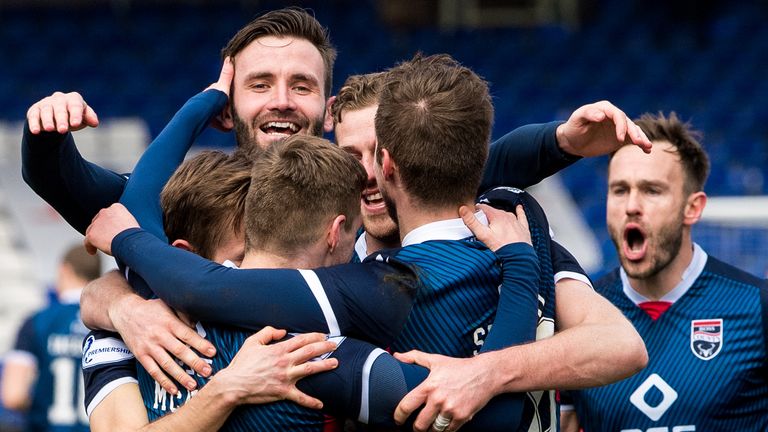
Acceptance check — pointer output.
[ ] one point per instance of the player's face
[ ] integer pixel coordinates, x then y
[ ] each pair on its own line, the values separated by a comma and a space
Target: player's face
646, 203
356, 134
278, 91
232, 248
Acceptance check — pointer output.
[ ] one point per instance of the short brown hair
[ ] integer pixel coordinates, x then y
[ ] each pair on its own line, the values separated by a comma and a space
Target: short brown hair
298, 185
84, 265
204, 200
357, 92
685, 141
290, 21
435, 119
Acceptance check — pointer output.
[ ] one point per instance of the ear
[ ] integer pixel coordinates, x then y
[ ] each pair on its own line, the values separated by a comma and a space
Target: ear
183, 244
328, 118
388, 166
334, 232
694, 207
227, 119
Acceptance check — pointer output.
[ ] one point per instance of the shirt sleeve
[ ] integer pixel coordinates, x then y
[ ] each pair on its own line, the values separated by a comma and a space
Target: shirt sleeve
524, 157
107, 364
142, 193
517, 311
566, 266
369, 300
75, 188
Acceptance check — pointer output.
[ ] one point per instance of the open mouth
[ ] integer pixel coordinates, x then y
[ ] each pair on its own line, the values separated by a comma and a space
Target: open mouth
635, 242
373, 201
282, 128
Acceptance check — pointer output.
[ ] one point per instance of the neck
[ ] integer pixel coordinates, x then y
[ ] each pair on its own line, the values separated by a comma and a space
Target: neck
264, 259
373, 244
657, 286
410, 216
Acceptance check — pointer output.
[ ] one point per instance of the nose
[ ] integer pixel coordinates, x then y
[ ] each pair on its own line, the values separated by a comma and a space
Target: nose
282, 99
634, 203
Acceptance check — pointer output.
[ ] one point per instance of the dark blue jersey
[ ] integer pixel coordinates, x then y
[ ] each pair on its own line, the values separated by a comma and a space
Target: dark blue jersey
51, 339
708, 363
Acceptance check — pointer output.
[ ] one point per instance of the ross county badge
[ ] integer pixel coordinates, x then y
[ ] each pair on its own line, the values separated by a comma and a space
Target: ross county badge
707, 338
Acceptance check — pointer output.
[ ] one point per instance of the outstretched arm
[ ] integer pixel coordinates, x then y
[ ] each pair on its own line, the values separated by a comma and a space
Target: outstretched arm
531, 153
328, 300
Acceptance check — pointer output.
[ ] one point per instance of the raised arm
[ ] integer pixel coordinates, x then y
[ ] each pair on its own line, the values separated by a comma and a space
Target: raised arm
142, 193
531, 153
55, 170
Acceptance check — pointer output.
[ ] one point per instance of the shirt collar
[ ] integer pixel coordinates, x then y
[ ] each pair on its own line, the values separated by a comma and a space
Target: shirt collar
449, 229
361, 247
691, 273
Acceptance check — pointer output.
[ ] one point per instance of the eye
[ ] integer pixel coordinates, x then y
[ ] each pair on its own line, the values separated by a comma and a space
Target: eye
259, 86
302, 90
618, 190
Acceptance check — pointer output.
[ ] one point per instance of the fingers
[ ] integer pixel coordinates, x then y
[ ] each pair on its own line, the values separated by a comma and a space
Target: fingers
310, 351
91, 249
193, 340
157, 374
303, 399
426, 418
418, 357
471, 221
410, 403
266, 335
224, 83
187, 356
61, 112
522, 219
638, 137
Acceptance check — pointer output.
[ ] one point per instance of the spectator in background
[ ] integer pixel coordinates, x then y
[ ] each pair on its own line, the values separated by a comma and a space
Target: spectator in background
42, 374
703, 321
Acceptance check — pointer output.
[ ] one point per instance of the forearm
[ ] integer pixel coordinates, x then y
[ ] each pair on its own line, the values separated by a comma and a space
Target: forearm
596, 346
524, 157
99, 297
142, 193
206, 411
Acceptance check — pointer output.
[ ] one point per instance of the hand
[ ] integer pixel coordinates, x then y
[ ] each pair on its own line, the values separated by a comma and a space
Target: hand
62, 113
107, 224
455, 388
223, 121
262, 373
155, 335
503, 227
598, 129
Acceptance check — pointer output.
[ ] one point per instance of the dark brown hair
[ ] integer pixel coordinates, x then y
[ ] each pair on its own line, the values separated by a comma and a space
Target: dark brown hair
685, 141
204, 200
298, 186
435, 119
291, 21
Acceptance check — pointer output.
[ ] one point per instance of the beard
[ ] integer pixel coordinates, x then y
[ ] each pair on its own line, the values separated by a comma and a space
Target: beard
662, 248
391, 207
382, 227
247, 136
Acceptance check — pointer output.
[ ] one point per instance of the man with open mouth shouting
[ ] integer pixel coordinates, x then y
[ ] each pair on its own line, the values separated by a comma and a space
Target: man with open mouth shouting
703, 321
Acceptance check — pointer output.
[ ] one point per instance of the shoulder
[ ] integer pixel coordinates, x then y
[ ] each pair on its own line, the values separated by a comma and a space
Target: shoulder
734, 274
608, 282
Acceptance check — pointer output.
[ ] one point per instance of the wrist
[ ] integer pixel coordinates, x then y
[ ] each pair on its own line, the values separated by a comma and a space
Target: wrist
119, 309
564, 147
227, 392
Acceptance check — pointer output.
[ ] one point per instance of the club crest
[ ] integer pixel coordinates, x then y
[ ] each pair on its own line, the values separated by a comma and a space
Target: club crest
706, 338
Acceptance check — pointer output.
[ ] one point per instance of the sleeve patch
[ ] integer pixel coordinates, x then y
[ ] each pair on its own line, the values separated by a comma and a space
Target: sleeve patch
105, 350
